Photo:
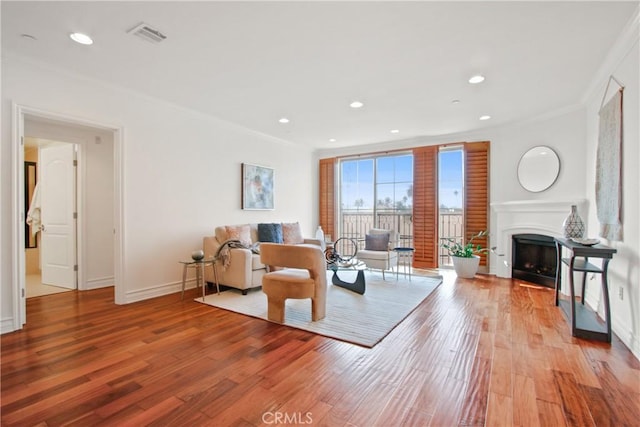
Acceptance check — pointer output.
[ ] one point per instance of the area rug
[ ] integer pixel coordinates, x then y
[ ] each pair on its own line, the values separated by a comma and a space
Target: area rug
359, 319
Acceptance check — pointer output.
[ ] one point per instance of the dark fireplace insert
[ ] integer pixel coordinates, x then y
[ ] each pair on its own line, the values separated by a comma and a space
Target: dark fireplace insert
534, 259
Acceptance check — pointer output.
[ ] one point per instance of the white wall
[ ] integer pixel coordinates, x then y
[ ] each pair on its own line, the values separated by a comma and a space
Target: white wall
624, 269
99, 211
181, 173
563, 132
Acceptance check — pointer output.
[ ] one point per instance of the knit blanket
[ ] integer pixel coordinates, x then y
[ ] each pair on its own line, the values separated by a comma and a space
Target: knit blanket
609, 169
223, 254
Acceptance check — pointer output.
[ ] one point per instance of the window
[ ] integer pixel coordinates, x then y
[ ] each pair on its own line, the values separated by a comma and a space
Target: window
401, 191
451, 198
376, 192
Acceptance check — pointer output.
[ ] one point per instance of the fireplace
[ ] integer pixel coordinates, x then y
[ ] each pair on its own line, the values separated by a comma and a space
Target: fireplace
543, 217
534, 259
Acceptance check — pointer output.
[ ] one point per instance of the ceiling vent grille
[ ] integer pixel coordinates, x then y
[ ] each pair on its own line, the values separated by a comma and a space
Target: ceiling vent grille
147, 32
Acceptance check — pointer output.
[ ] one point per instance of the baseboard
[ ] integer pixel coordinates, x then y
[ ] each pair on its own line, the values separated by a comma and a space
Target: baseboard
101, 282
619, 328
7, 325
626, 335
158, 291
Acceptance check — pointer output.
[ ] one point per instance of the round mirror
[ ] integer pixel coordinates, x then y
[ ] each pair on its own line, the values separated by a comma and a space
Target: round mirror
538, 169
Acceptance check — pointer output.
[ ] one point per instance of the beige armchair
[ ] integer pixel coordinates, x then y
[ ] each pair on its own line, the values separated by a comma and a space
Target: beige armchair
304, 276
378, 251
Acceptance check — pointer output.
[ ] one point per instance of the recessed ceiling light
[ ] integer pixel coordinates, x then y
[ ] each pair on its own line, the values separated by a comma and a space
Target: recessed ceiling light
81, 38
356, 104
28, 36
476, 79
455, 101
485, 117
332, 140
395, 131
284, 120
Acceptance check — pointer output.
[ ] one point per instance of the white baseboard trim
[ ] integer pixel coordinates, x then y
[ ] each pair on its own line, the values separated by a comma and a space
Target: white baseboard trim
626, 335
101, 282
158, 291
7, 325
619, 328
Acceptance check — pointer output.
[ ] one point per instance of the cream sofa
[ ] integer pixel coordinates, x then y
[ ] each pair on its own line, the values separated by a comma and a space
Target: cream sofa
243, 269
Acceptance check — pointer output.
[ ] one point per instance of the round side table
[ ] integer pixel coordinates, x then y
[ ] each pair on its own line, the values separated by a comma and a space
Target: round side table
199, 267
404, 259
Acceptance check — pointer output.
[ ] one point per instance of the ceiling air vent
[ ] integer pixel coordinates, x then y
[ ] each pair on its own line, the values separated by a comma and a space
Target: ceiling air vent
147, 32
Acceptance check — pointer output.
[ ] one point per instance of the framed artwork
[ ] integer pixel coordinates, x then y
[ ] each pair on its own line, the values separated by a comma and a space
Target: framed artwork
257, 187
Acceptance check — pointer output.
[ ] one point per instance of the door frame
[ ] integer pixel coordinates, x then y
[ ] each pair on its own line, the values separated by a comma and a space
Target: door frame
18, 209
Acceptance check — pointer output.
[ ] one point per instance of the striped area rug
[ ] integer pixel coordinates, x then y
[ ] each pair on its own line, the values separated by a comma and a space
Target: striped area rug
360, 319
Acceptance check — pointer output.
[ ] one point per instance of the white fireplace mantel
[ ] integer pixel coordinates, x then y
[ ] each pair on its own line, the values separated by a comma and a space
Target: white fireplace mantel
528, 216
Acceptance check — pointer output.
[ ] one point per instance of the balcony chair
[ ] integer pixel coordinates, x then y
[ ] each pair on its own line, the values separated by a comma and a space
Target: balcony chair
378, 250
304, 276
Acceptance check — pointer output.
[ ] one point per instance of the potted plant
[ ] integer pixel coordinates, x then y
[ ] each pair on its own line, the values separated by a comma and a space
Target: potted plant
465, 256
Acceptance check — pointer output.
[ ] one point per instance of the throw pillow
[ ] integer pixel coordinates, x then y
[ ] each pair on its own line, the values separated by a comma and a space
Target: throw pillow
239, 232
270, 233
291, 233
376, 242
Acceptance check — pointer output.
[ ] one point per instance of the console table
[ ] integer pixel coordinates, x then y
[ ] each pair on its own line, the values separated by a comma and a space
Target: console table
585, 322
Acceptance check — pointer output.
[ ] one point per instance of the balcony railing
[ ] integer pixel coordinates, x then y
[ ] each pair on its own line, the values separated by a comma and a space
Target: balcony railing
355, 224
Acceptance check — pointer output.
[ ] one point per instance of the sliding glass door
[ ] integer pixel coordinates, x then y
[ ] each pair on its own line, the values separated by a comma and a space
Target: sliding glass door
357, 197
451, 197
376, 192
427, 194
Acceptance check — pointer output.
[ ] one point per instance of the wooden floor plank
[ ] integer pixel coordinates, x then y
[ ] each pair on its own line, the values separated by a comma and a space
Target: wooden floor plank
525, 411
484, 352
574, 401
474, 407
501, 372
499, 410
550, 414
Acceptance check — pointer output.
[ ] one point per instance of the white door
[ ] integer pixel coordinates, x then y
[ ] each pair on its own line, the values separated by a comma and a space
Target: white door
57, 203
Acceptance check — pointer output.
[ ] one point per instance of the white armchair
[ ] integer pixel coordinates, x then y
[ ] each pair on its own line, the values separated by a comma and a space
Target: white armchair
378, 250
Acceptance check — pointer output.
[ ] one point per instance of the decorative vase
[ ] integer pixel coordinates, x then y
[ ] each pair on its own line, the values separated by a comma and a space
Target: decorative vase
320, 237
466, 268
573, 225
197, 255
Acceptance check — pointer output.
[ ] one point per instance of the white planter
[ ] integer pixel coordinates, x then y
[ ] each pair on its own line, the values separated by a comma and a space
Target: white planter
466, 267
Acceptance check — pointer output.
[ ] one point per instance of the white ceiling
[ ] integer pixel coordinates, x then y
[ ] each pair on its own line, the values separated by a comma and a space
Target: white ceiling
252, 63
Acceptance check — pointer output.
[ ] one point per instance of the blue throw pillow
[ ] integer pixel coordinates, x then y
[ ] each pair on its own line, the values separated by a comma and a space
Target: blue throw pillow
271, 233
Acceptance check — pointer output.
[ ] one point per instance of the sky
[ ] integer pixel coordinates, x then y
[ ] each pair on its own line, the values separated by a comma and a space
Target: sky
450, 178
395, 180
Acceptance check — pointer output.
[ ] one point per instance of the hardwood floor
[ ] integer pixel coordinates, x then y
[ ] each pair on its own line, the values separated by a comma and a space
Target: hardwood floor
476, 352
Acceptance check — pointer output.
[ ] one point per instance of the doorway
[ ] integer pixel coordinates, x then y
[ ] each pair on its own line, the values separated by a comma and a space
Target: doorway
92, 138
51, 220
